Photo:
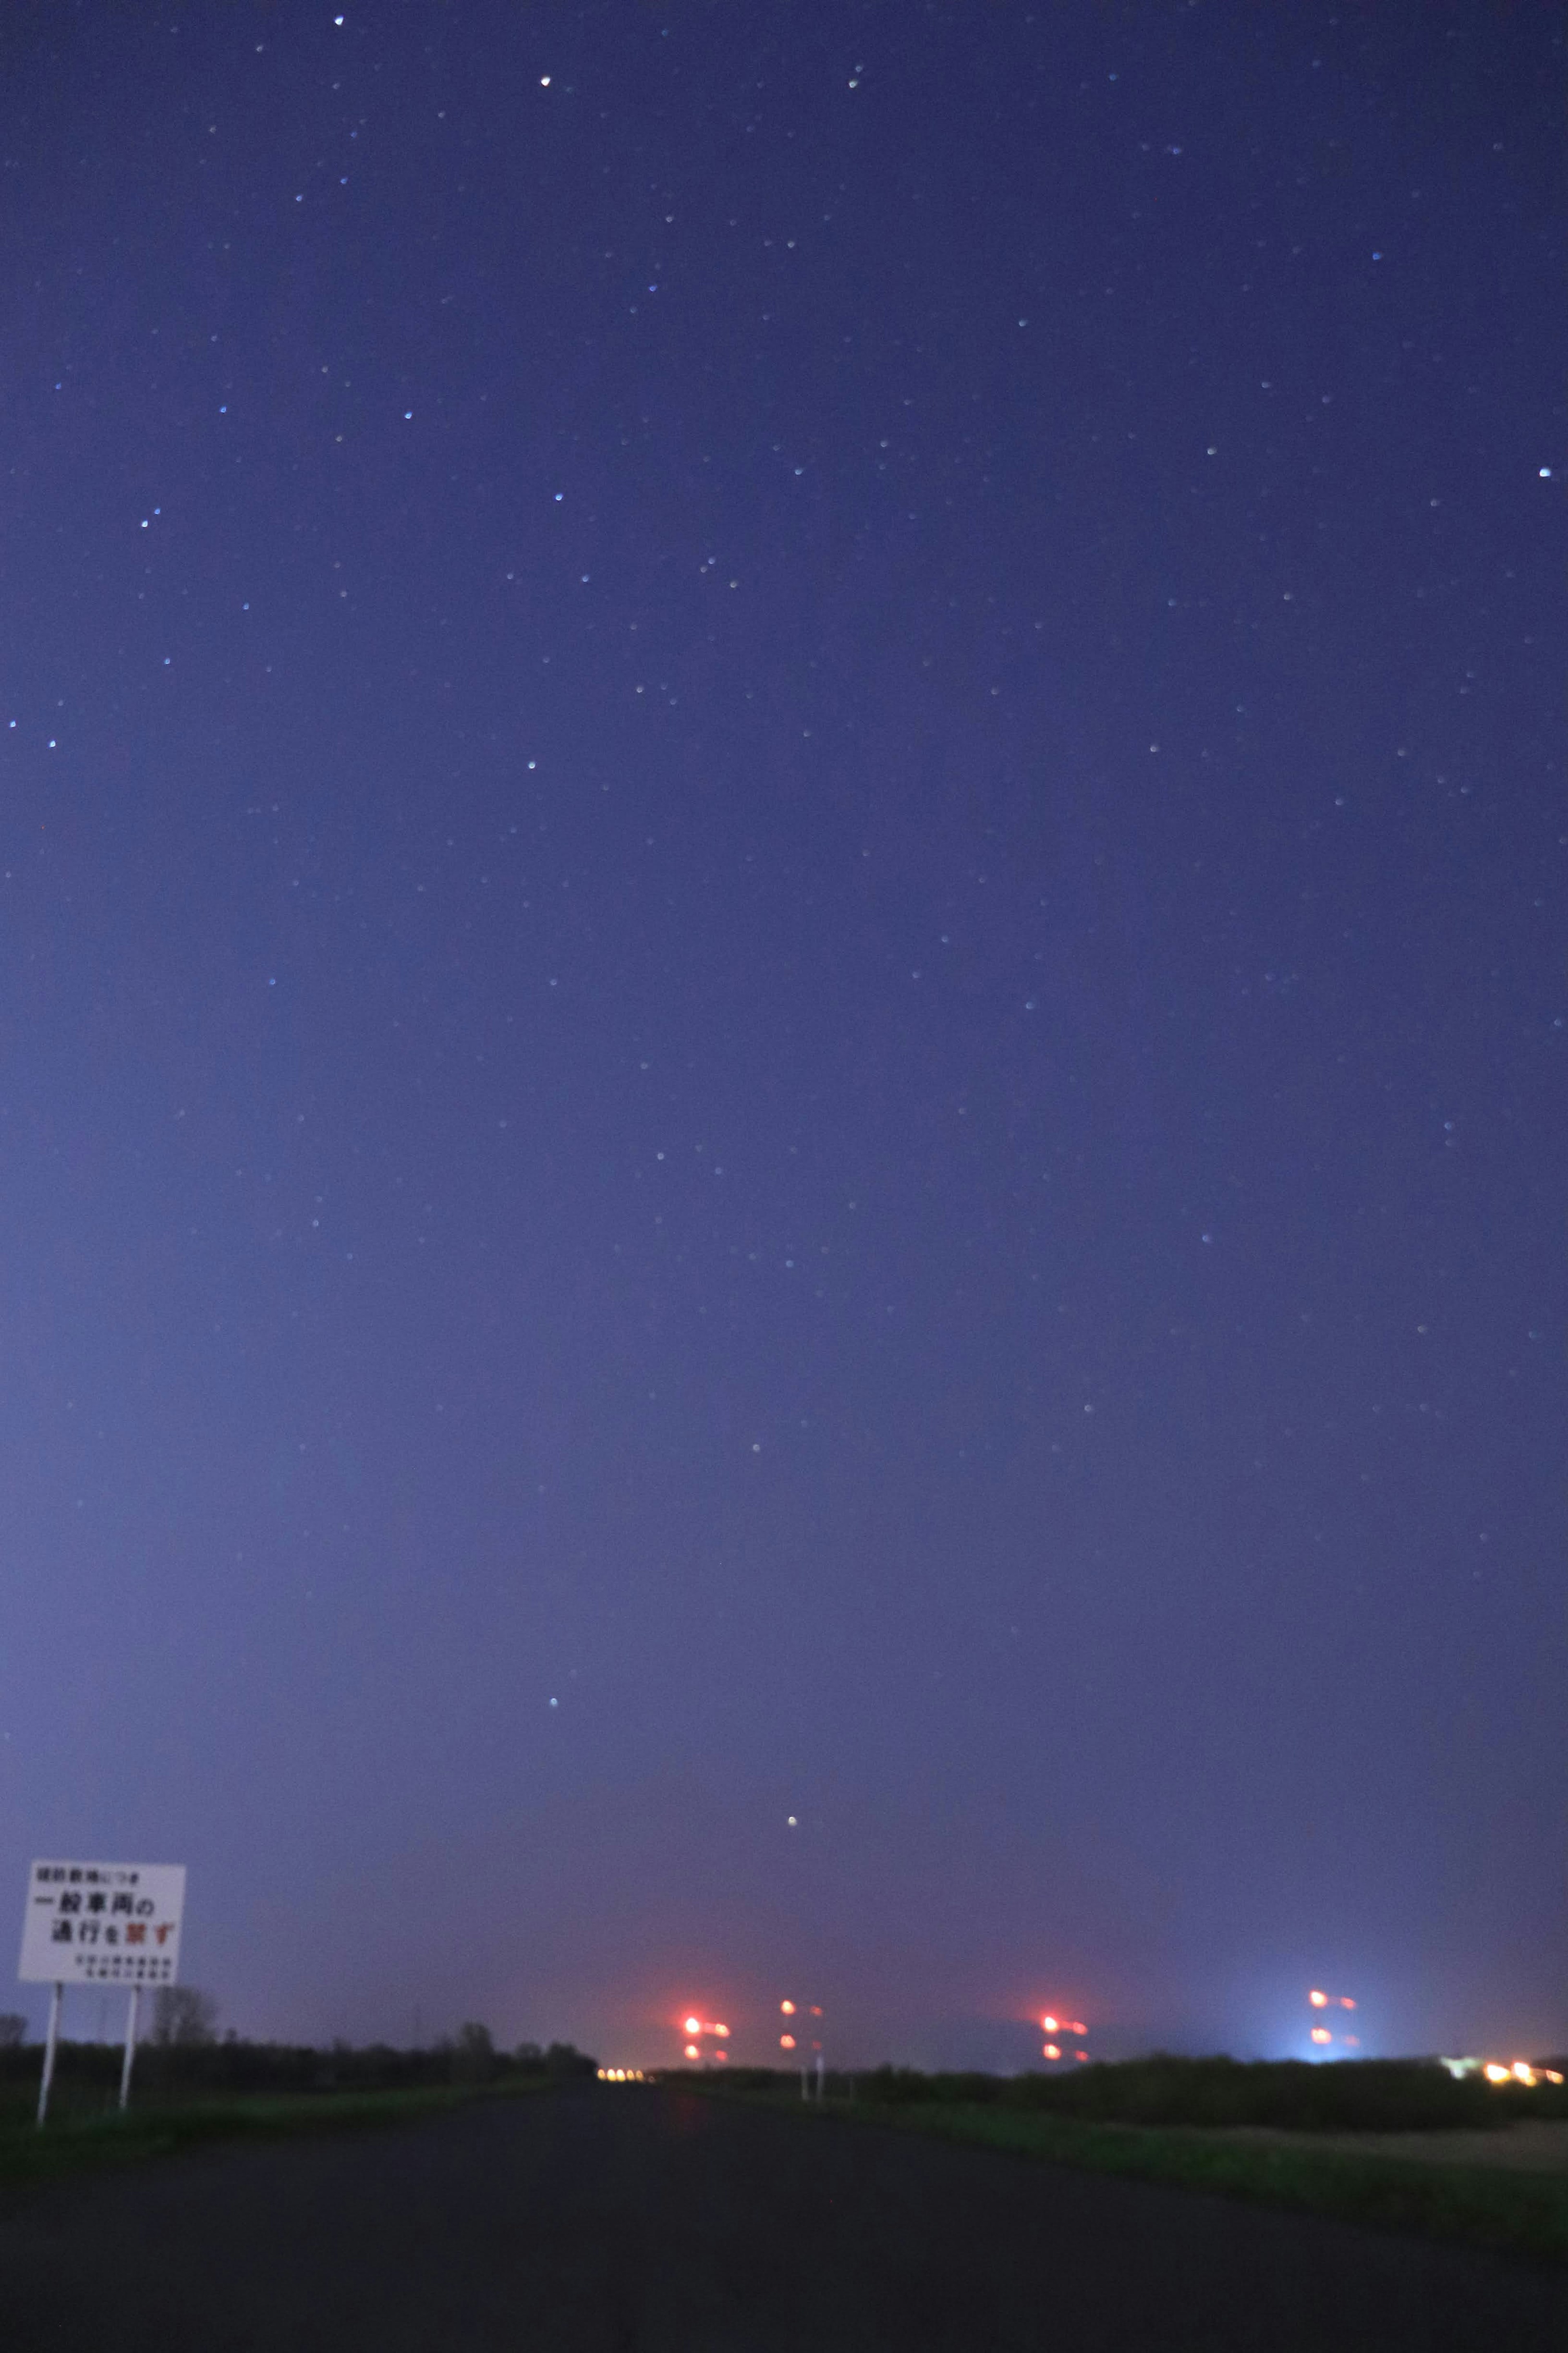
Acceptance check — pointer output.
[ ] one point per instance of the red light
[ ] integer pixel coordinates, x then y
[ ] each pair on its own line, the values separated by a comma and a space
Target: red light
1345, 2002
1081, 2054
1076, 2026
720, 2029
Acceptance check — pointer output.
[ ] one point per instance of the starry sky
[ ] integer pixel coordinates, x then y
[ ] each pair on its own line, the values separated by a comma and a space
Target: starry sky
781, 1103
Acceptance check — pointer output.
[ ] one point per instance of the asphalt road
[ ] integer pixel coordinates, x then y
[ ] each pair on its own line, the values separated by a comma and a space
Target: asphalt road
631, 2220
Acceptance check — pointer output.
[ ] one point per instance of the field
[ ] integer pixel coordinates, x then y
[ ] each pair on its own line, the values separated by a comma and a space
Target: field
1399, 2147
235, 2090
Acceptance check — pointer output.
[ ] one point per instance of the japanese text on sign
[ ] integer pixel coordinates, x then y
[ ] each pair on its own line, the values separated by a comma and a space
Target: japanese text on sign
102, 1923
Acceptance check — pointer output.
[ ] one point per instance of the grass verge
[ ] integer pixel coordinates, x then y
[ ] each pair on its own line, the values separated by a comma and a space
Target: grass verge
1510, 2214
29, 2158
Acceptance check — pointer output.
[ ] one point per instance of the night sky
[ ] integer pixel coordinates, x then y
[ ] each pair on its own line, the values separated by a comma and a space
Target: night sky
781, 966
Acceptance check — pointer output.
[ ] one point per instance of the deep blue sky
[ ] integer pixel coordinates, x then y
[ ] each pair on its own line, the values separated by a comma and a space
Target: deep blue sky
783, 1011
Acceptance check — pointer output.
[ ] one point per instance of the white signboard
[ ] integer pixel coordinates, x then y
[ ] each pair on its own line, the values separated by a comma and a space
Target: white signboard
102, 1924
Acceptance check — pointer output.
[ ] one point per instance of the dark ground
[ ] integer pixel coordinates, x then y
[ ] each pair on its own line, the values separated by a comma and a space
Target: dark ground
603, 2221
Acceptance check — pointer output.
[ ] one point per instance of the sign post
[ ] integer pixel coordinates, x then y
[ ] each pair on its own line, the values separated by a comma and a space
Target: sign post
130, 2045
54, 2033
101, 1924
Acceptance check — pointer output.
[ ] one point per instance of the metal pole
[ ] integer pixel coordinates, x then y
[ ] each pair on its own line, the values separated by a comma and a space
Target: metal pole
130, 2045
50, 2040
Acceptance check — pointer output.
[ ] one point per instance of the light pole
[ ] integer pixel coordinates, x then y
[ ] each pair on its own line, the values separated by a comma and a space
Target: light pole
1323, 2035
698, 2032
1053, 2026
809, 2019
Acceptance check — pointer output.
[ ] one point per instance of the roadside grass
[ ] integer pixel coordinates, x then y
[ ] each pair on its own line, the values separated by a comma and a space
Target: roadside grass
1506, 2213
83, 2141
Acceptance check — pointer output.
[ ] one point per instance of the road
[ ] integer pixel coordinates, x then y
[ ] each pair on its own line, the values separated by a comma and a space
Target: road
633, 2220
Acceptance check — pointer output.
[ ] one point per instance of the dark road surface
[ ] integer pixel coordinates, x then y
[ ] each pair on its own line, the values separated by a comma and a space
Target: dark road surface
605, 2221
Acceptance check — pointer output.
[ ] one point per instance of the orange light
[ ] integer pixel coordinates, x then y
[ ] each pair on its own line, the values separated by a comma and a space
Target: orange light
787, 2007
692, 2025
1496, 2074
1076, 2026
692, 2052
722, 2057
1081, 2054
1319, 2000
1551, 2074
786, 2042
816, 2009
1321, 2034
1522, 2071
1049, 2024
1050, 2050
720, 2029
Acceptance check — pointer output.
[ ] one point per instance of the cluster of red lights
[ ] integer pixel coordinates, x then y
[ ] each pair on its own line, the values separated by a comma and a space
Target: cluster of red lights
792, 2010
1055, 2026
1320, 2000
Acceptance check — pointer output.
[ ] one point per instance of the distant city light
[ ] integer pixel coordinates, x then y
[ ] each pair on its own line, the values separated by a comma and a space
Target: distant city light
1517, 2071
620, 2076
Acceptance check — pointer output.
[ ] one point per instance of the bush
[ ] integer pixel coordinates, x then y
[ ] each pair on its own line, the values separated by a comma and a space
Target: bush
1344, 2096
564, 2060
183, 2017
473, 2055
87, 2075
